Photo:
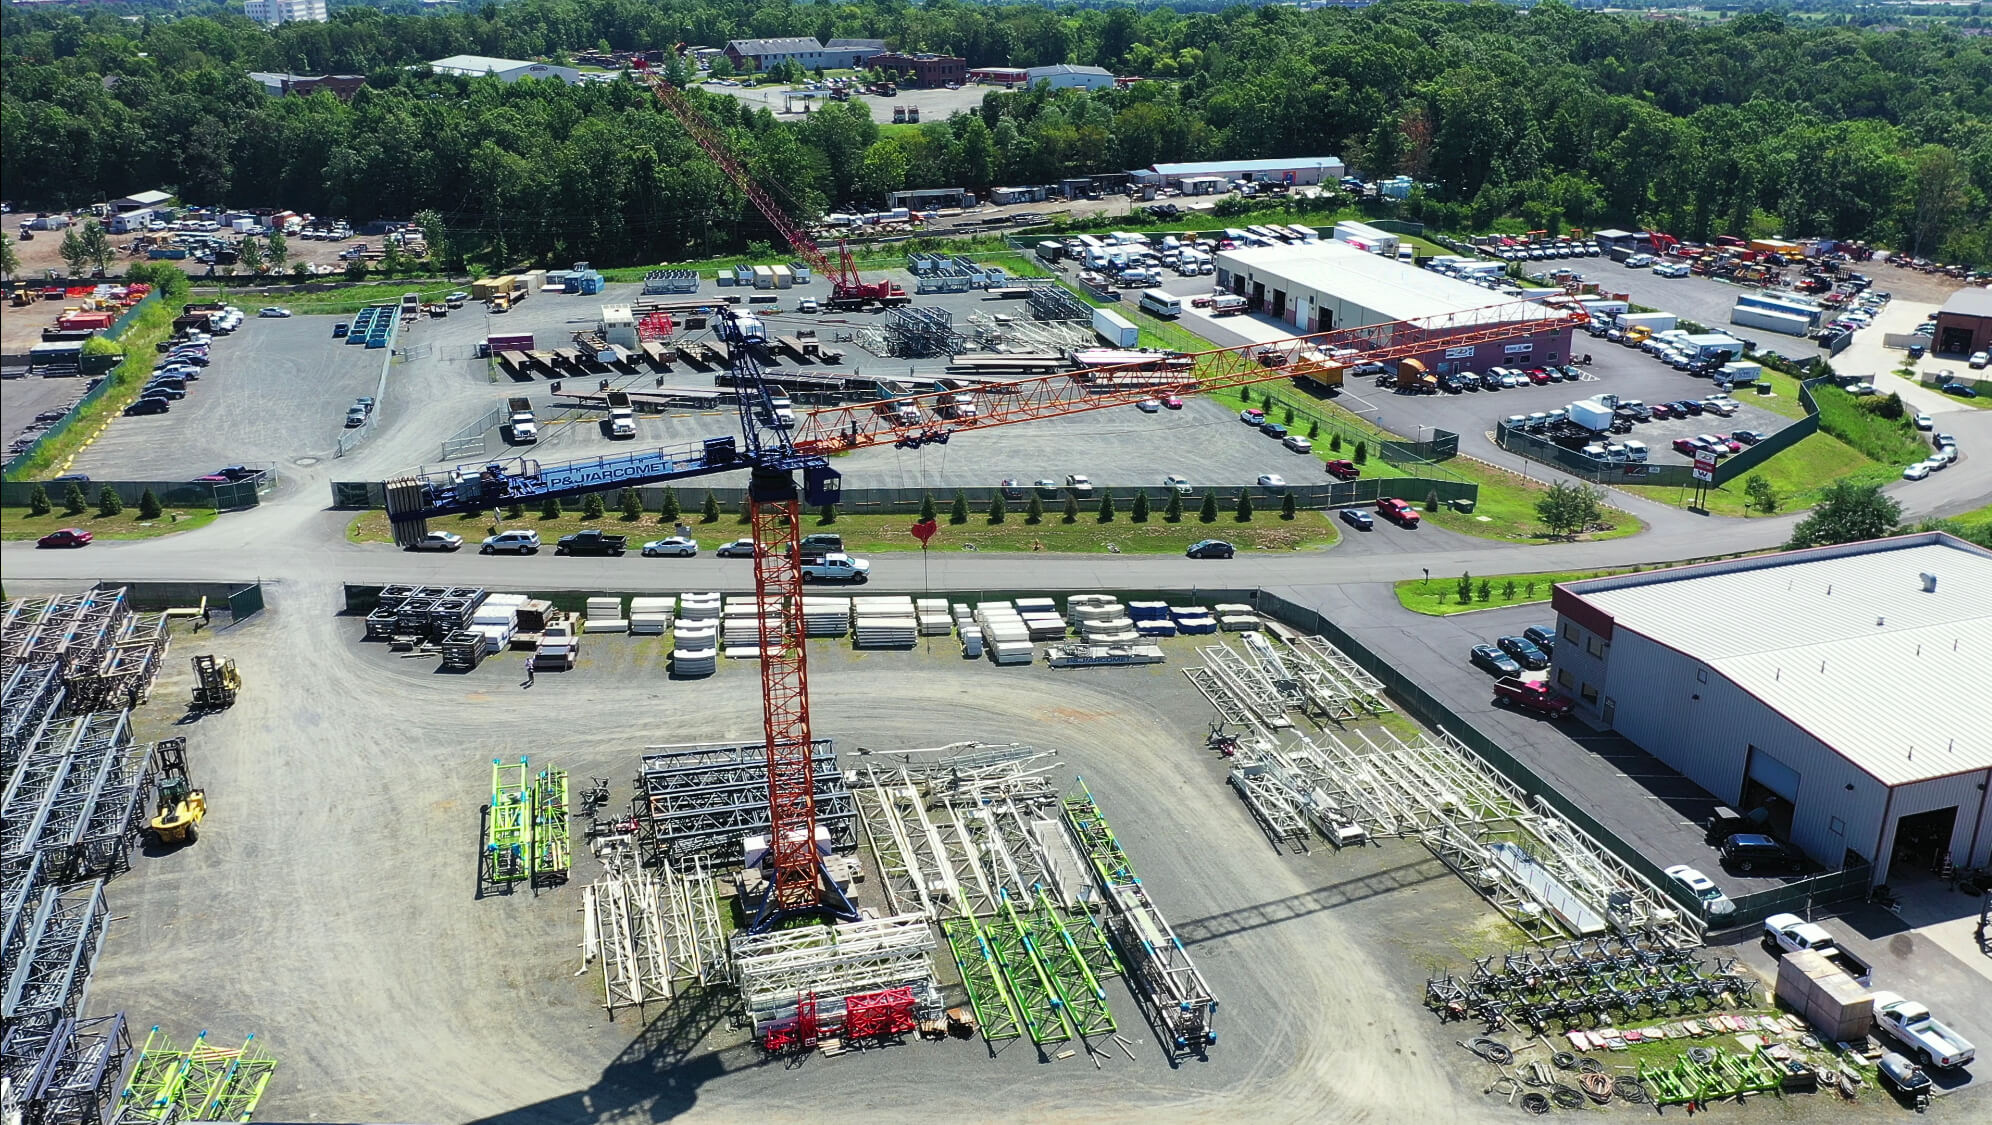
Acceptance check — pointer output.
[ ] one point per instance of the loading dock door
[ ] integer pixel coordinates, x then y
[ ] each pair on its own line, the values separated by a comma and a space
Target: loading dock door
1773, 775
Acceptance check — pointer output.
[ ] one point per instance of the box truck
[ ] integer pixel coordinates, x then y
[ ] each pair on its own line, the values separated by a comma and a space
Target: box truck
1115, 329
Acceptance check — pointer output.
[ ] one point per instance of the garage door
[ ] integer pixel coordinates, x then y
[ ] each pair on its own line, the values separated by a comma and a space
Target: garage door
1773, 775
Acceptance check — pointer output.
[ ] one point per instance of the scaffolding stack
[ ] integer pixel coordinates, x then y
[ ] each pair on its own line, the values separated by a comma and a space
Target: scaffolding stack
53, 954
1053, 302
107, 654
654, 930
795, 981
702, 799
922, 332
70, 1074
201, 1083
76, 798
1176, 999
32, 695
526, 833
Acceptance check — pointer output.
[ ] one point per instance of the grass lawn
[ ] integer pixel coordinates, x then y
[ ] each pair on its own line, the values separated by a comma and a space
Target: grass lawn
874, 534
1799, 474
1783, 398
353, 298
16, 523
1439, 596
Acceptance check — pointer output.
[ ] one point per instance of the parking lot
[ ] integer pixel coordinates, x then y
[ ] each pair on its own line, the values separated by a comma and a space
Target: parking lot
275, 391
23, 399
935, 105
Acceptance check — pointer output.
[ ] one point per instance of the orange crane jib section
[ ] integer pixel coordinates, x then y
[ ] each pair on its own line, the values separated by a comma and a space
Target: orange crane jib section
785, 707
840, 428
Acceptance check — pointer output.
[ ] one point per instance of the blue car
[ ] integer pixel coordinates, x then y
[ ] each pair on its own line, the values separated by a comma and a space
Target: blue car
1358, 519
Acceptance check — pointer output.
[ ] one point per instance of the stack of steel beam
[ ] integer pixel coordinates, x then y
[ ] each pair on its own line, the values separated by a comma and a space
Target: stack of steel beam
703, 799
106, 654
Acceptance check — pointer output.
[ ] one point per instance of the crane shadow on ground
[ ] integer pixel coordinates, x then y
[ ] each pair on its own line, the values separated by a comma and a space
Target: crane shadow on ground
1292, 908
657, 1077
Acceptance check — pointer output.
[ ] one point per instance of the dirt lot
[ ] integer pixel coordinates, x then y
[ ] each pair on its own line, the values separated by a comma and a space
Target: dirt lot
326, 838
45, 253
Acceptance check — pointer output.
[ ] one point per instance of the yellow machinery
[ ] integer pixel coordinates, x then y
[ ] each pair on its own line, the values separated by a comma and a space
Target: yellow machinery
181, 806
216, 682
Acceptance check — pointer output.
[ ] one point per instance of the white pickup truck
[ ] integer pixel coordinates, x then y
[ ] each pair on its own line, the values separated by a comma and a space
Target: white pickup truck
1928, 1041
836, 568
1789, 933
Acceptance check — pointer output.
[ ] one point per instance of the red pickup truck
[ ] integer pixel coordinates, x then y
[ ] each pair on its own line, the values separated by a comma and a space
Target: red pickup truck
1532, 696
1344, 470
1397, 512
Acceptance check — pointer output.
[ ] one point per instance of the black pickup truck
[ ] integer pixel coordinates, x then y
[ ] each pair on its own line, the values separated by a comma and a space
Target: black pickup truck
590, 541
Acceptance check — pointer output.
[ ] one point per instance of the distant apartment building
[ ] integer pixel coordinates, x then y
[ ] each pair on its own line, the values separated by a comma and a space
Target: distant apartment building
270, 13
927, 70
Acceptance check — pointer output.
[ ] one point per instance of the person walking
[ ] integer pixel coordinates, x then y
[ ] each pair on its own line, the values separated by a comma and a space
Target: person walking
531, 670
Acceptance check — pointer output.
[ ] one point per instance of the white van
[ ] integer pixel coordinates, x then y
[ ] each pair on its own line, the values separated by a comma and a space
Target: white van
1160, 303
1635, 451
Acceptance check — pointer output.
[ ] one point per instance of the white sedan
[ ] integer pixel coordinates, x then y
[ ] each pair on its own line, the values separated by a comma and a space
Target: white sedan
1917, 471
676, 545
273, 311
1149, 405
1702, 887
1272, 480
1925, 422
1179, 485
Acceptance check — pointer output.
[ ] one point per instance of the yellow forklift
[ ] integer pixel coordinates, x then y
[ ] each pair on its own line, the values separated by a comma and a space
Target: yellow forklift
181, 806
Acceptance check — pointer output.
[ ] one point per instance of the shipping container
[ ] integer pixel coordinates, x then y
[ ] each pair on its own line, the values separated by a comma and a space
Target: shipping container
1115, 329
784, 277
764, 277
1790, 324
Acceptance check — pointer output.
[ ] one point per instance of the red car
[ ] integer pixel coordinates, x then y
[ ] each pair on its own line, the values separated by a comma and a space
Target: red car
67, 537
1538, 376
1533, 696
1397, 512
1687, 445
1344, 470
1660, 410
1173, 402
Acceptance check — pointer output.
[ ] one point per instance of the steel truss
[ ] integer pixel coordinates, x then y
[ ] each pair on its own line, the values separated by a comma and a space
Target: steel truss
32, 696
106, 653
652, 929
1175, 997
1335, 684
778, 969
699, 800
51, 973
69, 1074
78, 797
1248, 692
201, 1083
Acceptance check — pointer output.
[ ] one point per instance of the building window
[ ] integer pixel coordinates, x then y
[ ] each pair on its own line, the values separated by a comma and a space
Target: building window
1701, 675
1589, 693
1570, 632
1564, 678
1594, 646
1837, 826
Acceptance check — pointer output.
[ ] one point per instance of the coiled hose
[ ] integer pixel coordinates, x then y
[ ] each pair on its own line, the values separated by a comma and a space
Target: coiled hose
1598, 1086
1566, 1096
1629, 1089
1493, 1050
1535, 1103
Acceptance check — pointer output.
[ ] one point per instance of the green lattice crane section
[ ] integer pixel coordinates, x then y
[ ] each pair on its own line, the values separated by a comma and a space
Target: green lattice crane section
994, 1006
203, 1082
526, 833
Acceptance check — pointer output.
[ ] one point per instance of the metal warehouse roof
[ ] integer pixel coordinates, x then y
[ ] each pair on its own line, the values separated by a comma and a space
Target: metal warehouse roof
1066, 68
1384, 286
1843, 641
476, 64
1972, 301
788, 46
1216, 167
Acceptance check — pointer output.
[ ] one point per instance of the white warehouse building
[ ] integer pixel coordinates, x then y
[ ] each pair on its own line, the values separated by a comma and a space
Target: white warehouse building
1845, 691
507, 70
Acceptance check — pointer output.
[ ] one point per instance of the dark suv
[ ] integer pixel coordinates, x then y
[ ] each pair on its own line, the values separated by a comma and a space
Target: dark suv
1541, 636
1525, 653
1751, 852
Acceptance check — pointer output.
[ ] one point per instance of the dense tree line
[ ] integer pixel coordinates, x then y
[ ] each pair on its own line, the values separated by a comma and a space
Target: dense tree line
1753, 125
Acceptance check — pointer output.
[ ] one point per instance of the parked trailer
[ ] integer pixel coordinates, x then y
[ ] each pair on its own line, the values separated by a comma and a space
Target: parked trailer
1115, 329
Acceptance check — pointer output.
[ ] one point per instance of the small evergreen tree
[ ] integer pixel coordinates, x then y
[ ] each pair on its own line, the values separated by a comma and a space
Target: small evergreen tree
1335, 442
958, 511
1174, 512
1288, 508
1208, 512
550, 509
72, 500
1486, 589
632, 505
1139, 512
1071, 508
1465, 588
1243, 512
1245, 395
515, 510
998, 511
1508, 591
746, 513
1034, 513
1531, 588
1286, 414
38, 502
709, 511
1106, 507
1432, 500
108, 501
670, 512
1314, 429
927, 512
1362, 453
591, 506
827, 515
148, 505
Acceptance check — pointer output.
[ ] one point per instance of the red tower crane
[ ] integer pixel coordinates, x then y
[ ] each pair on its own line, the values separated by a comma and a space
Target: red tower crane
847, 288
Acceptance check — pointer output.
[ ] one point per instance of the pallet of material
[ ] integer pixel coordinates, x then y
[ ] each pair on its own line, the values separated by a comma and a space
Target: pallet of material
825, 616
971, 641
534, 613
694, 662
887, 632
1148, 611
605, 615
1240, 622
1194, 620
650, 616
698, 607
463, 650
1100, 656
1155, 628
741, 632
1036, 605
1044, 627
1012, 652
